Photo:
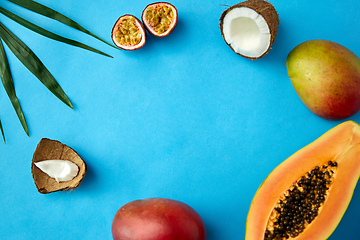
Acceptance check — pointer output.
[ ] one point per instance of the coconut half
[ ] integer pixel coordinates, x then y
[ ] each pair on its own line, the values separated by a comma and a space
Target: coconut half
54, 150
250, 27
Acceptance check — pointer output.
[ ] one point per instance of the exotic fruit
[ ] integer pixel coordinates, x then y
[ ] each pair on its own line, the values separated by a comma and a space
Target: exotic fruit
326, 76
128, 33
160, 18
250, 27
157, 219
306, 196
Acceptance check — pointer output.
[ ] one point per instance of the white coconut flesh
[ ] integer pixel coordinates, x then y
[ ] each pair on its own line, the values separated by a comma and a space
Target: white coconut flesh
61, 170
246, 31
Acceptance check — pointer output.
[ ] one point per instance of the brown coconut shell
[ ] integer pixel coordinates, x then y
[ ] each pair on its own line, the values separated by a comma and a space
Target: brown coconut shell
266, 10
51, 149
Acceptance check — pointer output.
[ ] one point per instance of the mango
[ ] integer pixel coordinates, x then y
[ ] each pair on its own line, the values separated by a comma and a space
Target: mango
326, 77
157, 219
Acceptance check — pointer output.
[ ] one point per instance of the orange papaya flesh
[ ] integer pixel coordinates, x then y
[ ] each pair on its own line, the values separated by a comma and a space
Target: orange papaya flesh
340, 144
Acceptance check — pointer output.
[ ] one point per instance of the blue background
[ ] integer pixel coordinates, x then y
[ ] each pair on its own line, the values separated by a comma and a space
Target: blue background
184, 117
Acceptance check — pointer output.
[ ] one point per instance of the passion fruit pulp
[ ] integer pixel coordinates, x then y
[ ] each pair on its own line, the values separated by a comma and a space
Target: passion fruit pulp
128, 33
160, 18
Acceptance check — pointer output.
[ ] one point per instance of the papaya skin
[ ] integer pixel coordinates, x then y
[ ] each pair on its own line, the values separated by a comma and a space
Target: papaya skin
326, 76
340, 144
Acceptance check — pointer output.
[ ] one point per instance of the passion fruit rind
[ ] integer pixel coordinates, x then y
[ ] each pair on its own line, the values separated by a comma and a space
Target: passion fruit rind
263, 8
128, 33
160, 18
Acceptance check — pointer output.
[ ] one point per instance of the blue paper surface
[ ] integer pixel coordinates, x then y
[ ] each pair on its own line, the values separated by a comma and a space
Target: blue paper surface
184, 117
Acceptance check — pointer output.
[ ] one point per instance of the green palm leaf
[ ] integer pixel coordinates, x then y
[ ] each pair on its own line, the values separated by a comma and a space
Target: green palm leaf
50, 13
32, 63
29, 59
47, 33
8, 83
2, 132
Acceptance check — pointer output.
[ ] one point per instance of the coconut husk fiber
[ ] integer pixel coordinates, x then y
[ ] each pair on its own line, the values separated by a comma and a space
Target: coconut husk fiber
51, 149
266, 10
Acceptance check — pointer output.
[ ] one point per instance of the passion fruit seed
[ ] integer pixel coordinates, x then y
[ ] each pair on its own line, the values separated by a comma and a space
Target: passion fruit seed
127, 33
160, 17
300, 204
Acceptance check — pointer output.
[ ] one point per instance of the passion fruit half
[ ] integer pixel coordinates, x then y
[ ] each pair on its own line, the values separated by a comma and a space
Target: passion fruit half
160, 18
128, 33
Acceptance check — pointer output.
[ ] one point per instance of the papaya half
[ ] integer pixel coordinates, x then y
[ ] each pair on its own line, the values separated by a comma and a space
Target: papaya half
305, 197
